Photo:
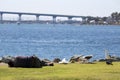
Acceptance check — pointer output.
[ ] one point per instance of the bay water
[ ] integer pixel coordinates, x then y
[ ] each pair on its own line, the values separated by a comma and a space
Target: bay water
48, 41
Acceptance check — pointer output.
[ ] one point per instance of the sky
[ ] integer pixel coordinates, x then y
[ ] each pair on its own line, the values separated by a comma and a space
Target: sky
66, 7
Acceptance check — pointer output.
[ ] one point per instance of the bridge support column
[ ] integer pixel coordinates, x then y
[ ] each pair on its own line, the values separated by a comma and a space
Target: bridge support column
69, 19
19, 18
54, 19
83, 20
1, 17
37, 18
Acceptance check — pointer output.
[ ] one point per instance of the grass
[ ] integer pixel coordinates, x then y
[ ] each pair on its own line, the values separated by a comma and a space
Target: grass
97, 71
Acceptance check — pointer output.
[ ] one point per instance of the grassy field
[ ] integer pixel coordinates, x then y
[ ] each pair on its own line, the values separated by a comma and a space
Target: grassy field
75, 71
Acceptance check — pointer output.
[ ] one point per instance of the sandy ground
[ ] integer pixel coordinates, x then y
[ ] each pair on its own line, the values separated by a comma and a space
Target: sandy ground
3, 64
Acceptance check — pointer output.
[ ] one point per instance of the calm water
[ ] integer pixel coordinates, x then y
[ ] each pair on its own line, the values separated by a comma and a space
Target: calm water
48, 41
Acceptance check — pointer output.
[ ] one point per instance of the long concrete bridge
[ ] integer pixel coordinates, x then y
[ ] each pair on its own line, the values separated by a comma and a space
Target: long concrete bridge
54, 16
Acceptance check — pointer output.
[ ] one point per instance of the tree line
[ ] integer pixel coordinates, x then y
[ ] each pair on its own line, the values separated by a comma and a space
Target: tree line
113, 19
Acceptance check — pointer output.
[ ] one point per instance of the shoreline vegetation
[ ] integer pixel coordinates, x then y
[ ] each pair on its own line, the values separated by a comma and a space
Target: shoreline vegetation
113, 19
72, 71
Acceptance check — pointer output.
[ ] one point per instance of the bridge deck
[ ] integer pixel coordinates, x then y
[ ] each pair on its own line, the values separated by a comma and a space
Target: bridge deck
40, 14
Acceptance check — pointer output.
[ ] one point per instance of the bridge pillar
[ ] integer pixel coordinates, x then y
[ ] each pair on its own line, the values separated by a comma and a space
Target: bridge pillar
1, 17
37, 18
54, 19
19, 18
83, 20
70, 19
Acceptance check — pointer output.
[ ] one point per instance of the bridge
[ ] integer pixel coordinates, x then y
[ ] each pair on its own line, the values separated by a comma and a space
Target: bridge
54, 16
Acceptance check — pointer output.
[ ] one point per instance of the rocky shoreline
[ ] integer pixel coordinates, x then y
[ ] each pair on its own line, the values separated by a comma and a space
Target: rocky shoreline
31, 61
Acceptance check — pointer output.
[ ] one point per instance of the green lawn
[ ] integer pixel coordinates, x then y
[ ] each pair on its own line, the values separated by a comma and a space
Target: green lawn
73, 71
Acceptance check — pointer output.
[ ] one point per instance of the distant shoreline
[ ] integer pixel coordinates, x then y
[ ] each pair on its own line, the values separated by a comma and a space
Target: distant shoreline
46, 22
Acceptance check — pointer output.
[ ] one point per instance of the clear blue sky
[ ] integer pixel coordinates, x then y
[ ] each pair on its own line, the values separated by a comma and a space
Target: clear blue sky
70, 7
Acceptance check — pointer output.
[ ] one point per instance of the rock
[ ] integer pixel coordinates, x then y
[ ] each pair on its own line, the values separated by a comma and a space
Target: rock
76, 58
56, 60
100, 60
47, 62
109, 62
27, 62
6, 59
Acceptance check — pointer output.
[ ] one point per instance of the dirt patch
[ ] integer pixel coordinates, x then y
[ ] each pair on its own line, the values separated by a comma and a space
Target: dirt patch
3, 64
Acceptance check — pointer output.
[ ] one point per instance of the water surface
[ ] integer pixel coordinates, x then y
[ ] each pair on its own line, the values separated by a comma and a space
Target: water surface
49, 41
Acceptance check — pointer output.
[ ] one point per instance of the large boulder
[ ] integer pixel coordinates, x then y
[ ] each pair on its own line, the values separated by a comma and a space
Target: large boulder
27, 62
